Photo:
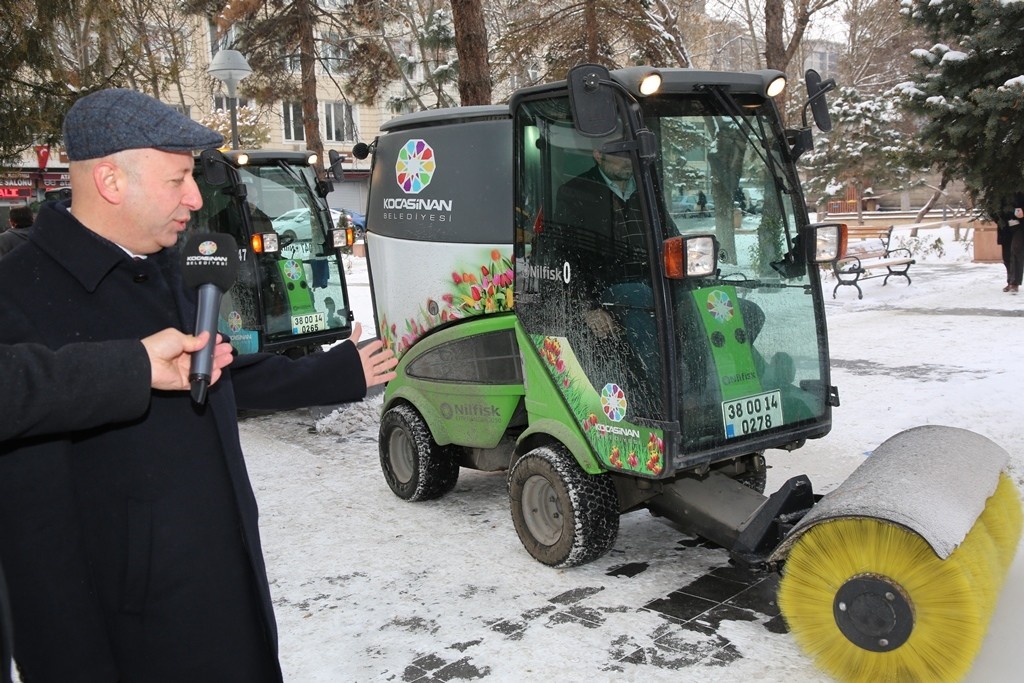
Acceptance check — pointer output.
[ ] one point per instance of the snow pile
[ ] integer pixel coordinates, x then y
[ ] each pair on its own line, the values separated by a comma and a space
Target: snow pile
353, 420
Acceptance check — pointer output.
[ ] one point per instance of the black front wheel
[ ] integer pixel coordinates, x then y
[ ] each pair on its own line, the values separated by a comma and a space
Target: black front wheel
564, 516
414, 466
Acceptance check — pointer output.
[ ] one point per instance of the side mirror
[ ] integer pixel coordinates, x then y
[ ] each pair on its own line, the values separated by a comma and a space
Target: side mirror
214, 166
816, 89
336, 160
826, 242
592, 101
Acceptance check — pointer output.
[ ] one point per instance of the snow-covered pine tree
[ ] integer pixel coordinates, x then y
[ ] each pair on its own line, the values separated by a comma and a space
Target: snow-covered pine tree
969, 89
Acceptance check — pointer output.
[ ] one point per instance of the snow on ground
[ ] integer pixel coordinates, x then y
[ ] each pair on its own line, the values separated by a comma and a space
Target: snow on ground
370, 588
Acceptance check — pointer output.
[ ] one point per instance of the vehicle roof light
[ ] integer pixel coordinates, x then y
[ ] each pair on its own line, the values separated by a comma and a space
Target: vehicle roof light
312, 159
776, 86
650, 84
242, 159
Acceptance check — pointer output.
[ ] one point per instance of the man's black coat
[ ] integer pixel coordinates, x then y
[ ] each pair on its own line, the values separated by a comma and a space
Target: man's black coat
132, 551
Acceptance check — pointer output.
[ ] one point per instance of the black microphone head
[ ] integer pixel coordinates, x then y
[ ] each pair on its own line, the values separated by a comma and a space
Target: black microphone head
210, 258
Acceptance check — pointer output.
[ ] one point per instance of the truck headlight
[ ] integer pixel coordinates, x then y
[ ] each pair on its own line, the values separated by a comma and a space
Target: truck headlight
691, 256
265, 243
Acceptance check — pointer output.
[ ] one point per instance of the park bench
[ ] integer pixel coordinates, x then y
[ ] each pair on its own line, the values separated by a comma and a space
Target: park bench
868, 255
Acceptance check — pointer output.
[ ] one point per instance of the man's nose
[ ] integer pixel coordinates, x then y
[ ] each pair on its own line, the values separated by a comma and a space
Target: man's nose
193, 198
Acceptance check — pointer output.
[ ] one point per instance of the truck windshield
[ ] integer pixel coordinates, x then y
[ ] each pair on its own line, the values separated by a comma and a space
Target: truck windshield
746, 345
281, 297
751, 345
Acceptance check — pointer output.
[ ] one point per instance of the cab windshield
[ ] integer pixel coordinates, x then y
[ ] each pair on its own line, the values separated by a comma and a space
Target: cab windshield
730, 358
289, 294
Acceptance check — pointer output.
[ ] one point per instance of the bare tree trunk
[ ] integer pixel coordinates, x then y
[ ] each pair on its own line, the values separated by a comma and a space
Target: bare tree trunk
590, 29
471, 46
774, 46
310, 110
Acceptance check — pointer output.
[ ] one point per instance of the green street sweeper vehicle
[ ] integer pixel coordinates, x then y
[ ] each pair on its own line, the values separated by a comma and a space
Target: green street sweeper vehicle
563, 312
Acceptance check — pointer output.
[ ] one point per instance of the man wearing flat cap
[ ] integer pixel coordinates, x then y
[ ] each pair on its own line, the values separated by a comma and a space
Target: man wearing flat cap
131, 550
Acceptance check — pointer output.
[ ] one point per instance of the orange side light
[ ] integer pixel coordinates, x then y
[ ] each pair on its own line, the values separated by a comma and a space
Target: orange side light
672, 259
256, 242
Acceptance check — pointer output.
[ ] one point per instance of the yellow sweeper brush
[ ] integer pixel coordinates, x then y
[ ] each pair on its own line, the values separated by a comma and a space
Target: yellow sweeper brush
893, 577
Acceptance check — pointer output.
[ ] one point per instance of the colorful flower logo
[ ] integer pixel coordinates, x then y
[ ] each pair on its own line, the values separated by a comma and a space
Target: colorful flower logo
415, 166
292, 270
208, 248
720, 306
613, 402
234, 321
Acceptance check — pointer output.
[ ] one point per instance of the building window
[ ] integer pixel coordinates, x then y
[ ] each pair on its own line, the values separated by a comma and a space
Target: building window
339, 121
334, 53
224, 102
221, 41
293, 130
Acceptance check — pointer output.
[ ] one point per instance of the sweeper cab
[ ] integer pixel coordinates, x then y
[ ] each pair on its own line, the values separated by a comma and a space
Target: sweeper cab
290, 296
563, 310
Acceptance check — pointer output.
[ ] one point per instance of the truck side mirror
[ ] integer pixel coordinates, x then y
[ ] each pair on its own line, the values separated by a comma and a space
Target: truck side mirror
592, 100
336, 160
214, 167
816, 89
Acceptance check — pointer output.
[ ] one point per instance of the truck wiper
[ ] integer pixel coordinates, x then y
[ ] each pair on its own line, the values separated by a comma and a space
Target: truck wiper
742, 281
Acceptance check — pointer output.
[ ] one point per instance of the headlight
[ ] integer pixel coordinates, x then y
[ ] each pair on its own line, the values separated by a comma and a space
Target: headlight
265, 243
693, 256
342, 237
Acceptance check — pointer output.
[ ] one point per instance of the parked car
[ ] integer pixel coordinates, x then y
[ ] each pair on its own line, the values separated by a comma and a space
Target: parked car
687, 206
295, 223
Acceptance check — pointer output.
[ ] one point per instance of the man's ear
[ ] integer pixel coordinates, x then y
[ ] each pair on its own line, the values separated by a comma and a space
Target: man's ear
110, 181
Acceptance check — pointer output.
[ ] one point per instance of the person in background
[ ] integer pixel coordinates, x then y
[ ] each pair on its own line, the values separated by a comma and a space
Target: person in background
333, 320
20, 221
132, 550
1010, 236
83, 385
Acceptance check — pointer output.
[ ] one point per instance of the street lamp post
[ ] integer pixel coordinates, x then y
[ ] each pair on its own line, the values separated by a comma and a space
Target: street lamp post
230, 67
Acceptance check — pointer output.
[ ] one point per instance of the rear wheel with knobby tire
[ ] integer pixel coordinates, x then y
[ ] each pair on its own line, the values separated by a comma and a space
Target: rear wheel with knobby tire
414, 465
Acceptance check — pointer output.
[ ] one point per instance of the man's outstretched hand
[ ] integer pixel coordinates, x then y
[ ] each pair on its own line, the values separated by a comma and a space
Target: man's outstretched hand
378, 363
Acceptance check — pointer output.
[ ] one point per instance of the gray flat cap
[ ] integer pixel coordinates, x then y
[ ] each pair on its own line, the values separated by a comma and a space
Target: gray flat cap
109, 121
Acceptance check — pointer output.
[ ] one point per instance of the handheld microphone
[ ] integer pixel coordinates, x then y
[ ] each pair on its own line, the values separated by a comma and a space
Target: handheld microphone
209, 263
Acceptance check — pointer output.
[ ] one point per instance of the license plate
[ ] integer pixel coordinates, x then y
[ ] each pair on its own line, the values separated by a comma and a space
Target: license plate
311, 322
752, 414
